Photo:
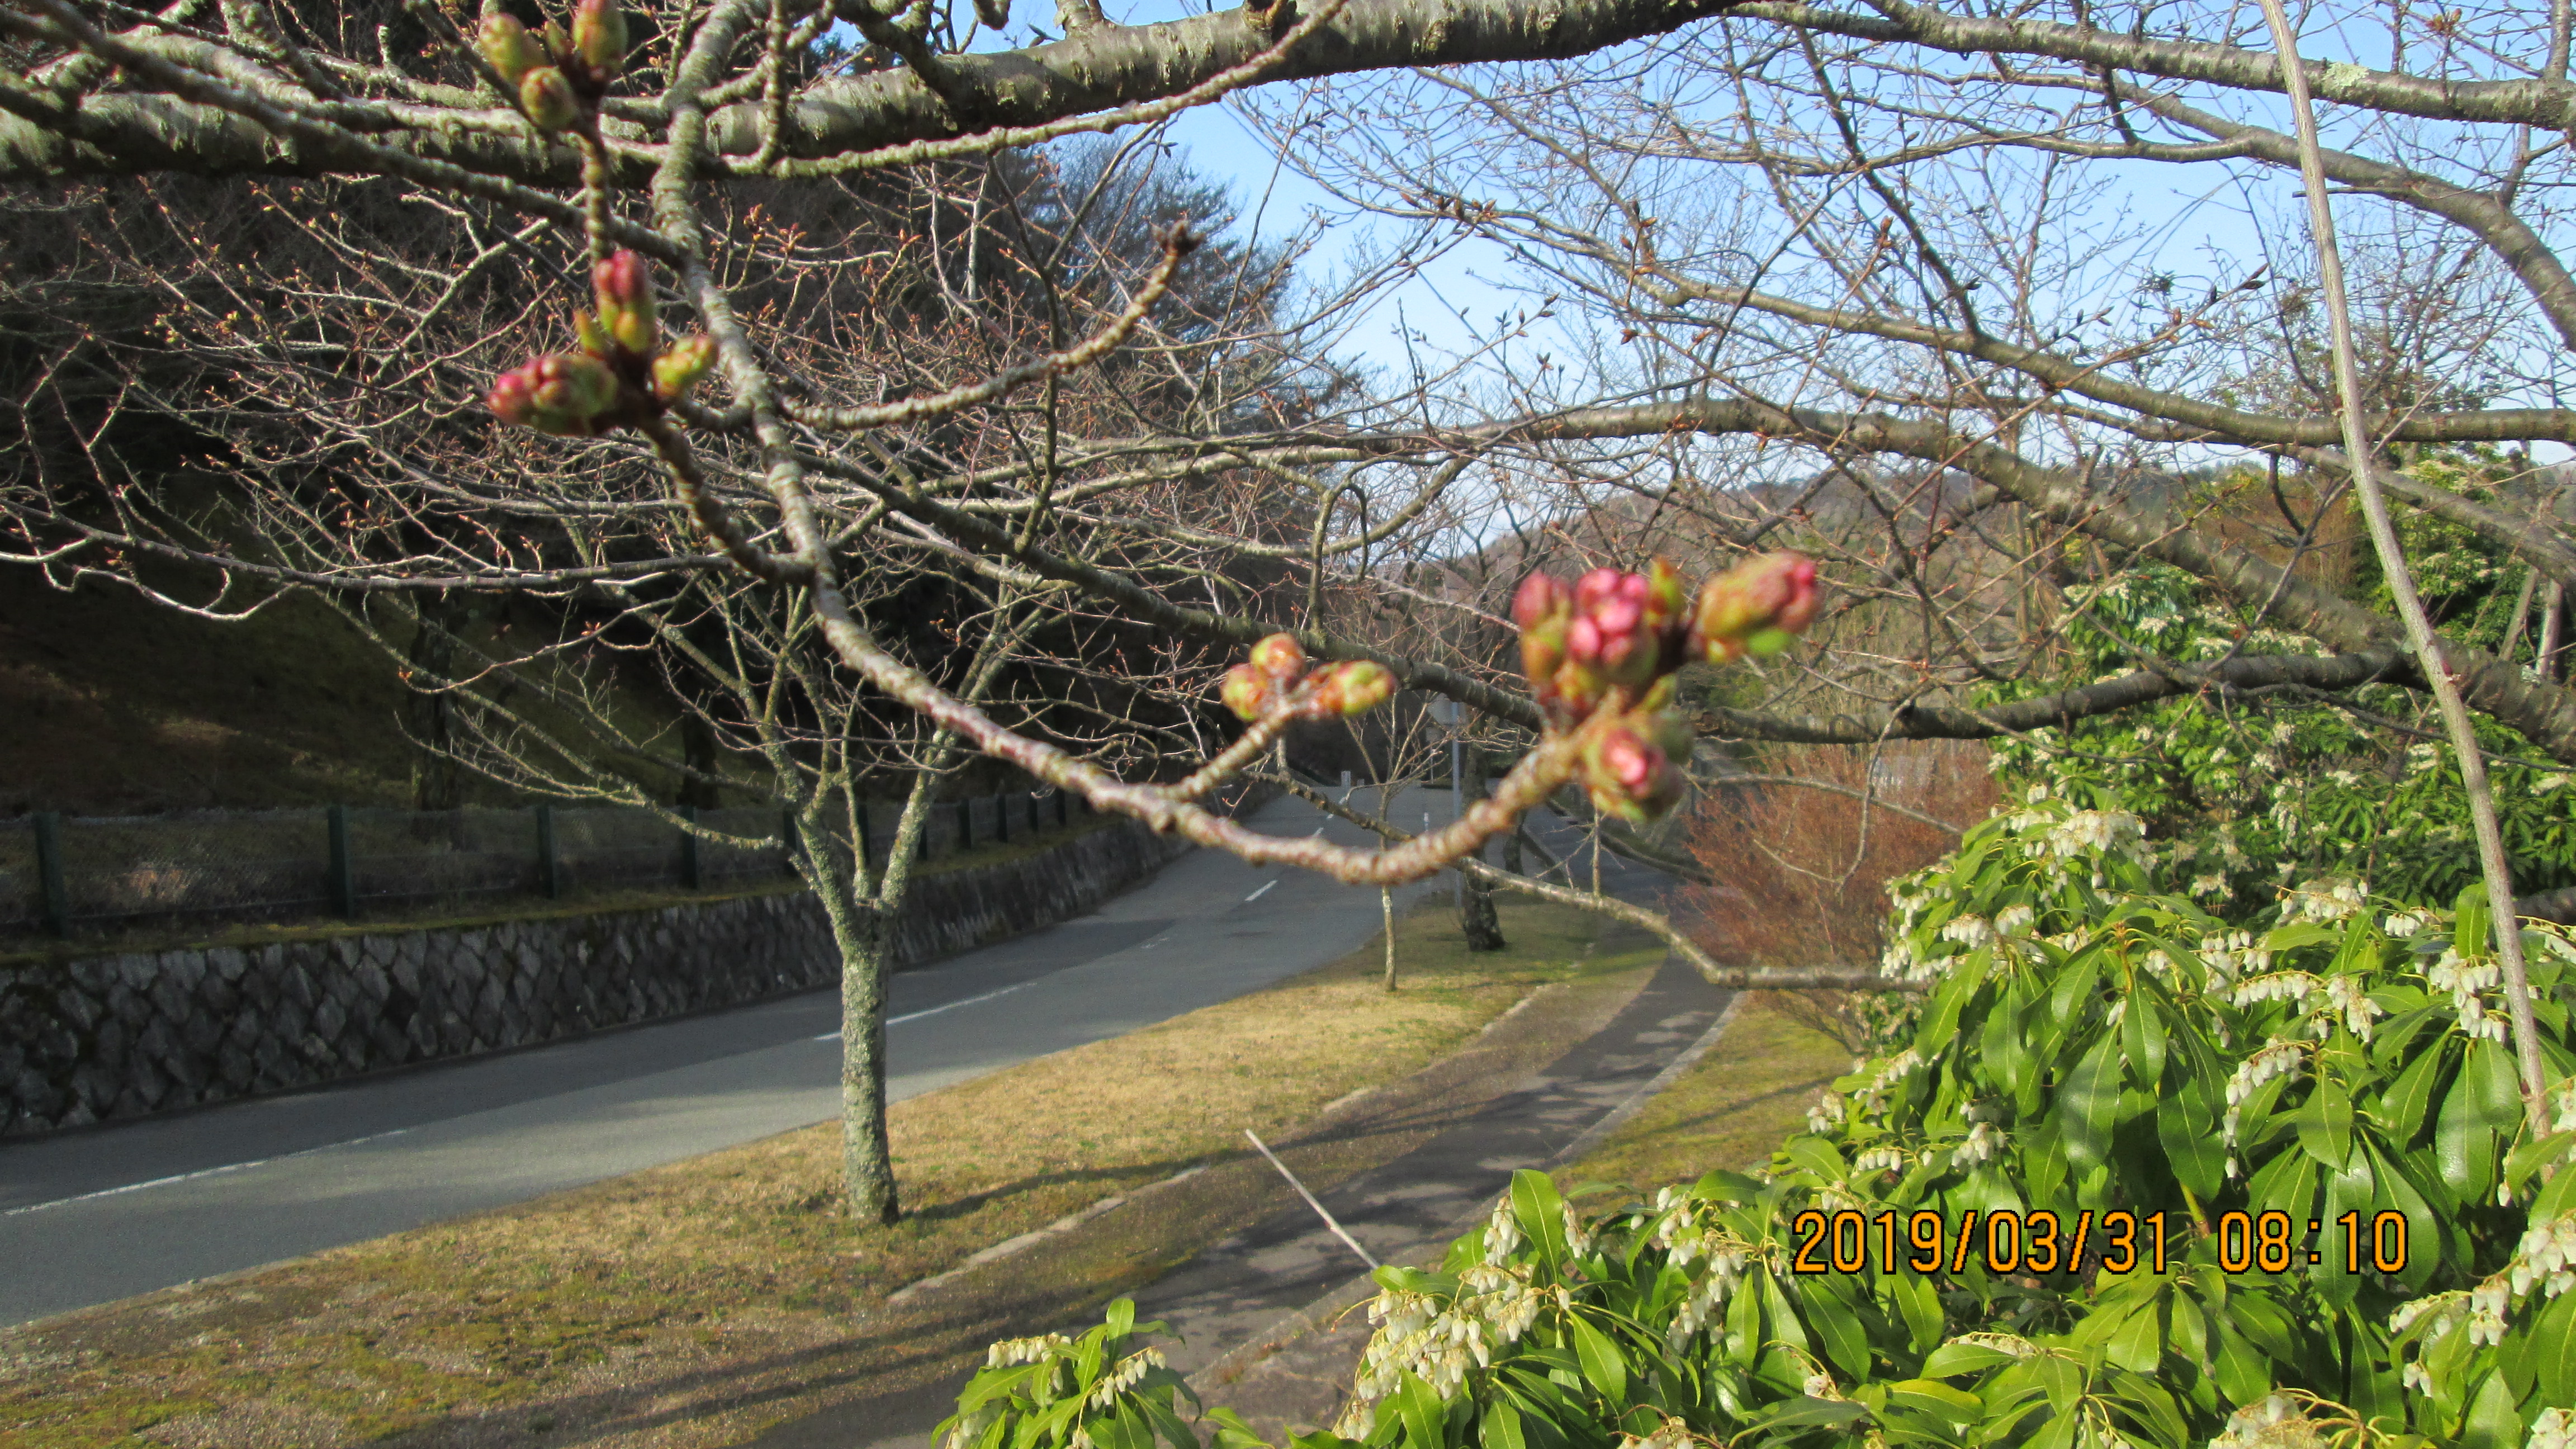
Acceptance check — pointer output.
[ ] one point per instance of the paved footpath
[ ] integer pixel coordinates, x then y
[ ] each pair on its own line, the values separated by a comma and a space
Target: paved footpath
1235, 1293
90, 1217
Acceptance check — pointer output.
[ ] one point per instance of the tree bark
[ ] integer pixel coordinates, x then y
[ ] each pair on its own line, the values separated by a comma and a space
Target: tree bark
429, 715
1477, 919
859, 934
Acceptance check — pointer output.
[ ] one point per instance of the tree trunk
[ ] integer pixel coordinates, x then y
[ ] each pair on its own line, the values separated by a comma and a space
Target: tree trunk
1386, 904
859, 932
428, 713
1476, 915
699, 754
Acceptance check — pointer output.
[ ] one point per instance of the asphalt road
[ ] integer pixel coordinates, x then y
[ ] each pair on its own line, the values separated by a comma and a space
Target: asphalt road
91, 1217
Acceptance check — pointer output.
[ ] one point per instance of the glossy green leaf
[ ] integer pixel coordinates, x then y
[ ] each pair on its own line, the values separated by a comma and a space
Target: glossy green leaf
1424, 1418
2244, 1372
2472, 929
1954, 1360
2142, 1039
1540, 1212
2403, 1103
2138, 1342
1807, 1412
2088, 1104
2549, 1351
2493, 1424
1920, 1306
2463, 1145
1845, 1341
2325, 1124
1931, 1396
1603, 1367
2186, 1127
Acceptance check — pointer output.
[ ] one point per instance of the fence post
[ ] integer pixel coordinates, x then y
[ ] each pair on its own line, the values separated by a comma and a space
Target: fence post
692, 873
1001, 817
344, 869
49, 872
966, 825
1063, 808
549, 878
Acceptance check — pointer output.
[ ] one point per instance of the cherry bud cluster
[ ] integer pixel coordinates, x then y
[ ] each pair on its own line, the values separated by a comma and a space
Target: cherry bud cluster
622, 375
1600, 657
1276, 681
559, 76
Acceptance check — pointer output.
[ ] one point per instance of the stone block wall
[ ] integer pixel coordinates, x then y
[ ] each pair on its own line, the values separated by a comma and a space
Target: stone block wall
97, 1038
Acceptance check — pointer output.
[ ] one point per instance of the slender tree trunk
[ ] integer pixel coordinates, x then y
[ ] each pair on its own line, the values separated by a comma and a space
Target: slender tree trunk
859, 934
699, 753
1386, 904
429, 714
1477, 919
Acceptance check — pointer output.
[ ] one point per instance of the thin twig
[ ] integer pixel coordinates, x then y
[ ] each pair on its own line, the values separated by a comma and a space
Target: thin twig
1353, 1243
2359, 452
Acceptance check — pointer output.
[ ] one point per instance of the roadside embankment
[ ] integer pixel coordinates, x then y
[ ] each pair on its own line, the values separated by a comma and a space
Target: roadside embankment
94, 1038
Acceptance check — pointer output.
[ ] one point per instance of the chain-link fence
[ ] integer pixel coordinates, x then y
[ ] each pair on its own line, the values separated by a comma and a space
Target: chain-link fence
66, 874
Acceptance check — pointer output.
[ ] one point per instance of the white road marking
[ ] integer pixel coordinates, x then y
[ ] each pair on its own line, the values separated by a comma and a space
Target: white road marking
201, 1172
931, 1011
1256, 895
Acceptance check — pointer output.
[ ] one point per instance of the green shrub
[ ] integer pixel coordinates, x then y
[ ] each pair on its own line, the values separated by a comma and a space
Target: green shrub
2092, 1044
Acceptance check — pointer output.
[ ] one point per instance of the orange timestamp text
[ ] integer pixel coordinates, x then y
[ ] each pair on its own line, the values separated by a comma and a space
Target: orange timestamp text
1851, 1241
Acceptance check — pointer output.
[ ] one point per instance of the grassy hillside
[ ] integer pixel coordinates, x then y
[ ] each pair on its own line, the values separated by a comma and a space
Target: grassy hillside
110, 704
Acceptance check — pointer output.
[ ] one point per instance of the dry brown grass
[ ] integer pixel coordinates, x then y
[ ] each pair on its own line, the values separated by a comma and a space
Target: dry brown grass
645, 1277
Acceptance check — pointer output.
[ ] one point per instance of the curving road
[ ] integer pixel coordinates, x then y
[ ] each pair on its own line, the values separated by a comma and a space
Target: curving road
95, 1216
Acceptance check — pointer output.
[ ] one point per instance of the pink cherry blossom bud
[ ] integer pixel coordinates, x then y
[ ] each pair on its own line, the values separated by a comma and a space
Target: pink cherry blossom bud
599, 38
625, 288
1540, 599
567, 394
548, 100
1354, 686
509, 47
1609, 634
1279, 657
1246, 691
1628, 775
678, 369
1756, 607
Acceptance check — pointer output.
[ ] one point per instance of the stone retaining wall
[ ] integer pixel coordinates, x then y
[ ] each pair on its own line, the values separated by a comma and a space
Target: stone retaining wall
90, 1039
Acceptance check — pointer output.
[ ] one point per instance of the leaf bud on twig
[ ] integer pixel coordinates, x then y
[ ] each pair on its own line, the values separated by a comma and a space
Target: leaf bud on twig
599, 39
594, 338
1246, 691
1353, 686
509, 47
678, 369
1756, 607
566, 394
1280, 658
625, 288
547, 98
1628, 774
